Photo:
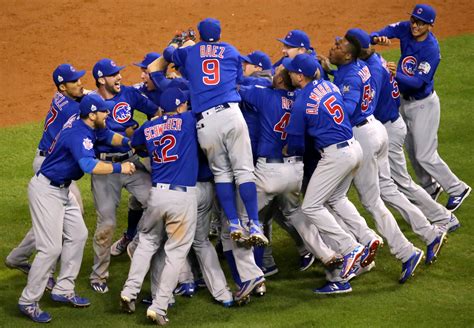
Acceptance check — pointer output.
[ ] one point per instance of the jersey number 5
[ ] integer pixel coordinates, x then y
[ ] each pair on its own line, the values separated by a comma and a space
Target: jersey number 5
281, 125
168, 142
366, 98
210, 67
334, 109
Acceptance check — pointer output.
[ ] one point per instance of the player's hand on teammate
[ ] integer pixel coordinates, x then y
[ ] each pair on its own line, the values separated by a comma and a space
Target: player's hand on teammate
392, 67
158, 65
128, 168
382, 40
325, 63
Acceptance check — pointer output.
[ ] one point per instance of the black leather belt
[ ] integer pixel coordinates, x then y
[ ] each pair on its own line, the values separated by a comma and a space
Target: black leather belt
364, 122
172, 187
54, 183
216, 109
115, 158
274, 160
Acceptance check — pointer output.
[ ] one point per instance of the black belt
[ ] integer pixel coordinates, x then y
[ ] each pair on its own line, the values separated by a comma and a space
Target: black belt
274, 160
43, 153
217, 109
172, 187
54, 183
411, 98
115, 158
364, 122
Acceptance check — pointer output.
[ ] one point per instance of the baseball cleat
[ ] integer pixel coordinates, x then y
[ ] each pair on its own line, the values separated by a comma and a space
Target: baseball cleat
161, 320
100, 287
185, 289
350, 259
127, 305
227, 304
120, 246
269, 271
455, 201
306, 261
34, 312
335, 262
437, 192
51, 283
257, 237
148, 300
72, 299
368, 256
453, 224
409, 267
243, 301
434, 248
23, 267
357, 270
260, 289
334, 288
200, 283
247, 288
236, 231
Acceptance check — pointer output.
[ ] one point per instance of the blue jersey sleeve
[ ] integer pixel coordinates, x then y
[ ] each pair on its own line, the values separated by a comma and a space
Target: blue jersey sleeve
81, 146
138, 138
159, 80
391, 31
252, 95
143, 104
351, 93
428, 63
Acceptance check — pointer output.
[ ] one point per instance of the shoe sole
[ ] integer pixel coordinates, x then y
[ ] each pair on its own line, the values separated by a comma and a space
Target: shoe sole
414, 268
37, 321
75, 305
262, 291
243, 301
358, 255
271, 273
454, 228
441, 243
462, 200
334, 292
250, 288
372, 253
258, 240
156, 318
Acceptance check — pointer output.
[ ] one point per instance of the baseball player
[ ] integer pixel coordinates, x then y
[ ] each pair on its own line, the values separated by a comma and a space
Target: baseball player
107, 189
389, 192
64, 105
319, 111
386, 111
213, 69
354, 80
172, 206
58, 225
420, 107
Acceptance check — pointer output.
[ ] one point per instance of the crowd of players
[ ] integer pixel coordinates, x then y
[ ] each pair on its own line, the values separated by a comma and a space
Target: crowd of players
239, 139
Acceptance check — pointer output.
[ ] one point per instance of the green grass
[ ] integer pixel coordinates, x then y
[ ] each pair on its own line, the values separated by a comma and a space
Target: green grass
439, 295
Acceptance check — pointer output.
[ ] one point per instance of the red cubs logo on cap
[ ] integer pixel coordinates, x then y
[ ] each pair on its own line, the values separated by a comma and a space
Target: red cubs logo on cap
122, 112
409, 65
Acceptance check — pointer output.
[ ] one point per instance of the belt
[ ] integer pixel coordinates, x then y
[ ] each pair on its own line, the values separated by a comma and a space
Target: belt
115, 158
54, 183
170, 186
411, 98
364, 122
274, 160
212, 110
339, 145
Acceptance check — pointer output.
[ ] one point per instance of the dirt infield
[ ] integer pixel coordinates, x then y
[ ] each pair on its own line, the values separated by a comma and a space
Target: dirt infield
36, 36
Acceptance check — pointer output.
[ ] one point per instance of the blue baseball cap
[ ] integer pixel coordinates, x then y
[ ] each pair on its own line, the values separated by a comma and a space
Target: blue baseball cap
149, 58
209, 29
172, 98
424, 13
94, 103
296, 39
258, 58
66, 73
105, 67
361, 36
303, 63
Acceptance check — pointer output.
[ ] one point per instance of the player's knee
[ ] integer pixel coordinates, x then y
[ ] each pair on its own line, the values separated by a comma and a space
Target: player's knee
103, 235
243, 177
55, 251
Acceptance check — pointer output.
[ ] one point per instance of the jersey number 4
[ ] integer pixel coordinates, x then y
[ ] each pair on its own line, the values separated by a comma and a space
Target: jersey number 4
334, 109
210, 67
281, 125
161, 156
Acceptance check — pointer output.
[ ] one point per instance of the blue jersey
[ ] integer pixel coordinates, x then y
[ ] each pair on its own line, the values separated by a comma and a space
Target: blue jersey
274, 108
62, 108
213, 70
418, 59
153, 95
387, 98
171, 142
353, 80
75, 141
121, 117
204, 172
319, 111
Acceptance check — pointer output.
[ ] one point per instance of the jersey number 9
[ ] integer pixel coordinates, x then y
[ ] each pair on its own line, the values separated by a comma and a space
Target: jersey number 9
210, 67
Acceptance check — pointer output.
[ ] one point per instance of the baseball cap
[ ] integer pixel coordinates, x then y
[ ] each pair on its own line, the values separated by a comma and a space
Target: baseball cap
361, 36
209, 29
303, 63
258, 58
94, 103
66, 73
149, 58
172, 98
296, 39
424, 13
105, 67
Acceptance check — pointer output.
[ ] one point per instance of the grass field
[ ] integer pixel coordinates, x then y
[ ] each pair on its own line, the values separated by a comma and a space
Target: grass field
438, 296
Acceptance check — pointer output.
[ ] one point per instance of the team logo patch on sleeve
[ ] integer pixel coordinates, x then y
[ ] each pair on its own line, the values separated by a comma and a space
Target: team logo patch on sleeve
87, 143
409, 65
345, 88
424, 67
122, 112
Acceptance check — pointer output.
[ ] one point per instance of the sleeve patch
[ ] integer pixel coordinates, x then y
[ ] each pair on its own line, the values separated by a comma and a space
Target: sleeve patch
87, 143
424, 67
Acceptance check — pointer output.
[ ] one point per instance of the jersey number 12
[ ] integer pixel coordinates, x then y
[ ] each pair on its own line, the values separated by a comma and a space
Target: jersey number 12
161, 156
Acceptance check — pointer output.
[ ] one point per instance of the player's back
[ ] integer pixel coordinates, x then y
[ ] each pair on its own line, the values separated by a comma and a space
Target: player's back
213, 69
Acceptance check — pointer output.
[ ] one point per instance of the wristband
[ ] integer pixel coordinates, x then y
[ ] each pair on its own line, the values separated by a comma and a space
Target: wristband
125, 141
117, 168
